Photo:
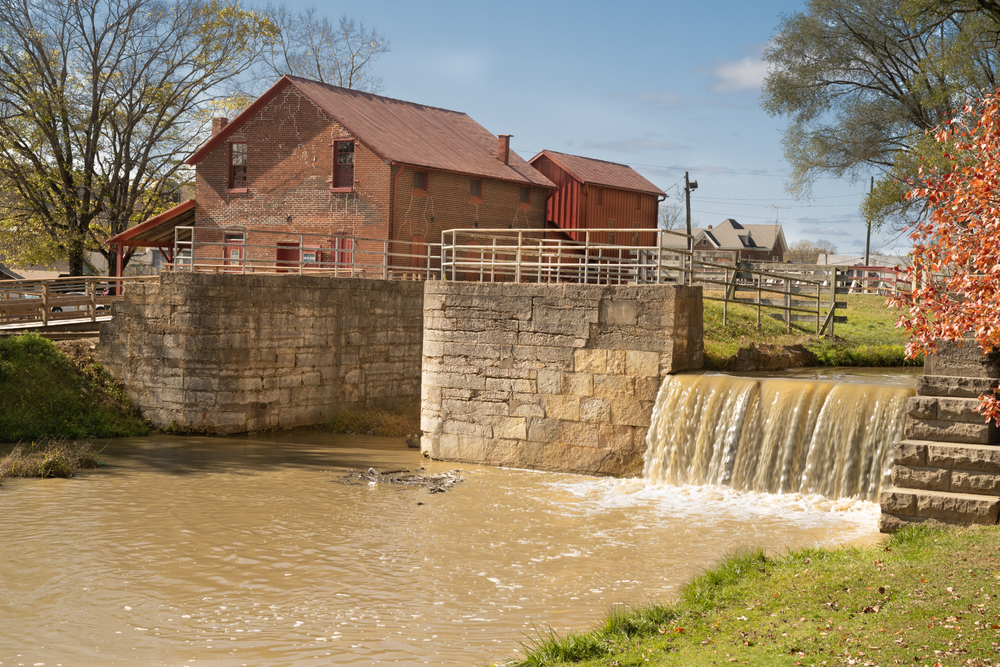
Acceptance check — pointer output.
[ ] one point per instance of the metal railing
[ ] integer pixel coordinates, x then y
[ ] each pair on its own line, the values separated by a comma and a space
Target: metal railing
244, 251
55, 300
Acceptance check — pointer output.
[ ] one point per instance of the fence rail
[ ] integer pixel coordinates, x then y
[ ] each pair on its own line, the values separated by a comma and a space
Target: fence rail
56, 300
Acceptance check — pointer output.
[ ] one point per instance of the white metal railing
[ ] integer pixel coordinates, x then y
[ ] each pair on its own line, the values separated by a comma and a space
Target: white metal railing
242, 250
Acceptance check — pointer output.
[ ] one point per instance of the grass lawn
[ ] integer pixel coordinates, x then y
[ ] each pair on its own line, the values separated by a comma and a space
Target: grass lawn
868, 338
922, 597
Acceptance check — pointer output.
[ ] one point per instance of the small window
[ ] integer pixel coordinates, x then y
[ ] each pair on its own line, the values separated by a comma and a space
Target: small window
343, 165
476, 188
600, 196
420, 180
638, 202
238, 166
525, 195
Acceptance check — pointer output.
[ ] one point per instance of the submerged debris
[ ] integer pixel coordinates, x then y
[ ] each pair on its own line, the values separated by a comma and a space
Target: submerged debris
436, 483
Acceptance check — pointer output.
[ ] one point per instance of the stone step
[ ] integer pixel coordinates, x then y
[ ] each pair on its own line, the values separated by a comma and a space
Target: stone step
945, 408
951, 431
958, 387
937, 454
946, 479
920, 506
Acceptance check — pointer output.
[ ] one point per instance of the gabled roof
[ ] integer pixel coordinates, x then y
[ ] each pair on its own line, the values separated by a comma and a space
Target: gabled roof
731, 235
402, 132
600, 172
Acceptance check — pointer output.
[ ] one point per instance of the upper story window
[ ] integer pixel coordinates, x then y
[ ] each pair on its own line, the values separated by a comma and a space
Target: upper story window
600, 196
238, 165
525, 197
343, 166
420, 182
475, 189
638, 202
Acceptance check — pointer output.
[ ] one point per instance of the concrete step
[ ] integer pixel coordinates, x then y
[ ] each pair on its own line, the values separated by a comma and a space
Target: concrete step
902, 506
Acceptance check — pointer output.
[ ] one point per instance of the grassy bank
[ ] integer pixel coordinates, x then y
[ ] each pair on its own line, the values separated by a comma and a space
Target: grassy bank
868, 338
45, 394
51, 458
923, 597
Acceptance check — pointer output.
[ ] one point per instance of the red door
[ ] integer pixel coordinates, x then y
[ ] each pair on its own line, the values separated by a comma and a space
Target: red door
287, 256
233, 253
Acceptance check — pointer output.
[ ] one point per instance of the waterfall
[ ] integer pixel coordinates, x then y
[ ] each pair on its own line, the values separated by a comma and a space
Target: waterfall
774, 435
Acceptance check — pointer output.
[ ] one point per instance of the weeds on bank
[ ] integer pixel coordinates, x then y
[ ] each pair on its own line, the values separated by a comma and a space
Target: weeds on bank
868, 338
44, 394
52, 458
922, 597
393, 424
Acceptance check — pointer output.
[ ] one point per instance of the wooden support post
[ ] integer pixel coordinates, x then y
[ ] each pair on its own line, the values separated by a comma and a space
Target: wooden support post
788, 303
45, 304
833, 300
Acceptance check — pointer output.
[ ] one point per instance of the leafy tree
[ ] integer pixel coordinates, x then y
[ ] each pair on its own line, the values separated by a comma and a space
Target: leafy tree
311, 46
807, 252
862, 81
956, 251
100, 101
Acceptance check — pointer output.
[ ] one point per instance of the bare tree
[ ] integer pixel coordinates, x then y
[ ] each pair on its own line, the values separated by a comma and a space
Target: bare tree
101, 100
671, 216
807, 252
312, 46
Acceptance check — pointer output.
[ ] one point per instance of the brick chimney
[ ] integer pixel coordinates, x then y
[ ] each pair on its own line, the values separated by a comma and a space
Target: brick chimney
218, 124
503, 148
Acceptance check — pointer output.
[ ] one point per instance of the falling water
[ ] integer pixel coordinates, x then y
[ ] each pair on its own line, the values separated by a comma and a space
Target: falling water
775, 435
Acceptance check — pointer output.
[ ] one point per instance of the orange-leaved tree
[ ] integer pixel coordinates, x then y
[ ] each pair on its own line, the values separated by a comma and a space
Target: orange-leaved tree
955, 266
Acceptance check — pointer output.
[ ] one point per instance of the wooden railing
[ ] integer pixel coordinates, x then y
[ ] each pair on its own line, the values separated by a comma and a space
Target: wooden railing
56, 300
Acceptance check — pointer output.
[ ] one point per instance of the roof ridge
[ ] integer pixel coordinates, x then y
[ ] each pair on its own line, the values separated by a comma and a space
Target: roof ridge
592, 159
356, 91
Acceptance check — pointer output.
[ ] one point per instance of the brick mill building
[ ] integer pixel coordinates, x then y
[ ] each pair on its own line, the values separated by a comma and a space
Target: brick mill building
307, 157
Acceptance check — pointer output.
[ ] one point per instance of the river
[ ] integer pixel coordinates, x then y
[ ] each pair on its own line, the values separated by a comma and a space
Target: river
254, 551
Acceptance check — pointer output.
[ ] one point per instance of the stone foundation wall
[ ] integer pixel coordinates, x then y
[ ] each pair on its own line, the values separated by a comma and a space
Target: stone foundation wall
232, 353
556, 377
947, 470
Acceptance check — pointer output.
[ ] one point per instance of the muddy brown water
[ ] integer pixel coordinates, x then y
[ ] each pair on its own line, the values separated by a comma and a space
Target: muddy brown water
248, 551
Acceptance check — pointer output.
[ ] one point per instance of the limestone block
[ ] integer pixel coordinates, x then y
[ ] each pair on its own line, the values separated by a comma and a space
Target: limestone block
898, 501
970, 457
502, 453
544, 430
617, 360
962, 359
561, 357
461, 427
580, 434
613, 386
646, 388
642, 364
551, 339
558, 406
944, 431
549, 382
969, 481
578, 384
519, 408
619, 312
514, 428
932, 479
590, 361
595, 410
616, 437
945, 408
957, 507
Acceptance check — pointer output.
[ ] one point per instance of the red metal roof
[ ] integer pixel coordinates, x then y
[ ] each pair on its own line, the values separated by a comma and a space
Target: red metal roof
403, 132
159, 229
600, 172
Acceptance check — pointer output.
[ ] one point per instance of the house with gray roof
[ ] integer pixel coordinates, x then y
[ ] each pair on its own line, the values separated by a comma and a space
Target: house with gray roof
754, 243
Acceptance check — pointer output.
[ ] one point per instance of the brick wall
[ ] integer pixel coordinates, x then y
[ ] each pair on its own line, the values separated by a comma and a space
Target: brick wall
290, 165
557, 377
232, 353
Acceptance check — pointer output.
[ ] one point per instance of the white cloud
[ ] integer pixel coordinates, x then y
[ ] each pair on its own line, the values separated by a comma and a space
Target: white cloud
733, 76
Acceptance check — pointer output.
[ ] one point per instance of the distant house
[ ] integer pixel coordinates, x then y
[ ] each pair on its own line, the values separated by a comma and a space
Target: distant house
595, 194
754, 243
307, 157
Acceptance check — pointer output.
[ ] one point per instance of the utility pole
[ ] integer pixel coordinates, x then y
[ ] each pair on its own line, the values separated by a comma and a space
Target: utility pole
689, 185
868, 239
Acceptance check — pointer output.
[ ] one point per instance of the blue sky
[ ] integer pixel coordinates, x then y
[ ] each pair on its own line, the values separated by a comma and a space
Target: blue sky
664, 87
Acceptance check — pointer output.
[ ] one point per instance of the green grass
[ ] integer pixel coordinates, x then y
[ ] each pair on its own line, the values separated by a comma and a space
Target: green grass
387, 423
44, 394
922, 597
51, 458
868, 338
